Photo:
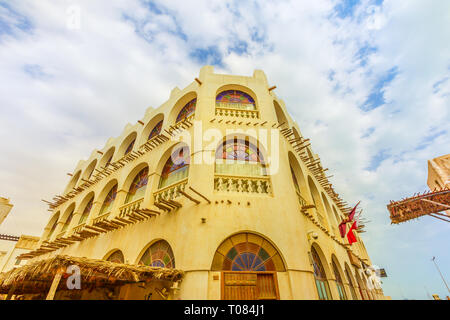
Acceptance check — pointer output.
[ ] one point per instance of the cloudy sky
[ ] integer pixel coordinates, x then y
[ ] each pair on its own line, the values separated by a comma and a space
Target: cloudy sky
367, 81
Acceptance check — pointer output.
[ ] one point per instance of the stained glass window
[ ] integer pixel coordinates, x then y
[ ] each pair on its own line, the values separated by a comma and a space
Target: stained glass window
53, 228
176, 167
297, 188
158, 254
130, 147
187, 111
352, 288
235, 99
86, 211
239, 157
247, 252
321, 279
339, 284
109, 200
156, 130
117, 257
137, 188
69, 219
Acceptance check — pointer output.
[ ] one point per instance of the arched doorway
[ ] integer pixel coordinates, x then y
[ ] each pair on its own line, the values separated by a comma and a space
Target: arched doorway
249, 264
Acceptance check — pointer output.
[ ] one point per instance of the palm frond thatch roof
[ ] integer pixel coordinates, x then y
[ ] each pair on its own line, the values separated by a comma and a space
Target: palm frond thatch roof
92, 271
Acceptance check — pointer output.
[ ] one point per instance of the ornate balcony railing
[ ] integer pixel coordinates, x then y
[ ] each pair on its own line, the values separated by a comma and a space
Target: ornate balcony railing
130, 207
61, 234
171, 192
231, 112
101, 218
228, 183
78, 227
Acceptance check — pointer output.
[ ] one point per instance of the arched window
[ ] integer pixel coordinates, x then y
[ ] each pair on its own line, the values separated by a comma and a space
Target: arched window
319, 274
53, 228
130, 147
339, 284
86, 211
90, 169
234, 99
247, 252
116, 256
158, 254
109, 200
176, 167
239, 157
352, 287
138, 186
297, 188
187, 111
156, 130
68, 220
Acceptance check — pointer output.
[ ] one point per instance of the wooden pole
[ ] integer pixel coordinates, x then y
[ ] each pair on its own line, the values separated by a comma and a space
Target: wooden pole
189, 197
54, 286
198, 193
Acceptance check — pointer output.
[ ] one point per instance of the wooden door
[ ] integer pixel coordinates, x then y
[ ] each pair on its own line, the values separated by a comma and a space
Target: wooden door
249, 286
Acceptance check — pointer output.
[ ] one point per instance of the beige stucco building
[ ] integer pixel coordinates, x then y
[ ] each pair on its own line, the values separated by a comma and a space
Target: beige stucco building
12, 248
439, 172
5, 208
241, 205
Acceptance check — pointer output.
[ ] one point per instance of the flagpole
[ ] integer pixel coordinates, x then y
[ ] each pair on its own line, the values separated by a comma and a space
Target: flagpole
440, 273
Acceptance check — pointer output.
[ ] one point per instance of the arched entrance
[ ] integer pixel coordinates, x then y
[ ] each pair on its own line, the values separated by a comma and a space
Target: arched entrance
249, 264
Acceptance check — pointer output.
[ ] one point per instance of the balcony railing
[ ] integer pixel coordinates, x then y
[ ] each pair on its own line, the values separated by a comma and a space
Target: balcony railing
79, 227
101, 218
229, 112
130, 207
171, 192
61, 234
228, 183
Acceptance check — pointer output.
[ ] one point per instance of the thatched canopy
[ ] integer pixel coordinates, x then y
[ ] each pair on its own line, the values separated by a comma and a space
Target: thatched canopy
36, 277
430, 203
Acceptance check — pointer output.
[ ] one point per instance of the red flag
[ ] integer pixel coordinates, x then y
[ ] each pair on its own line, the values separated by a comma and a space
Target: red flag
350, 236
342, 228
343, 225
352, 213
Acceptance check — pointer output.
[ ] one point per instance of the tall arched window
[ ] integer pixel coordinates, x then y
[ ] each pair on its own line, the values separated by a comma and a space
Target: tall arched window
187, 111
239, 157
156, 130
109, 200
294, 179
339, 284
319, 274
116, 256
350, 283
68, 220
53, 227
86, 211
234, 99
138, 186
176, 167
130, 147
158, 254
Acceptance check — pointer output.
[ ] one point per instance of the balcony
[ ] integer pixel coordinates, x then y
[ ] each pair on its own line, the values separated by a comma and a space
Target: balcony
61, 234
241, 184
233, 112
171, 192
79, 227
130, 207
101, 218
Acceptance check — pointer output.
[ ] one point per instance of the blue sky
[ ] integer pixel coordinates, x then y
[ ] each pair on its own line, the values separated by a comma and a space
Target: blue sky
367, 81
